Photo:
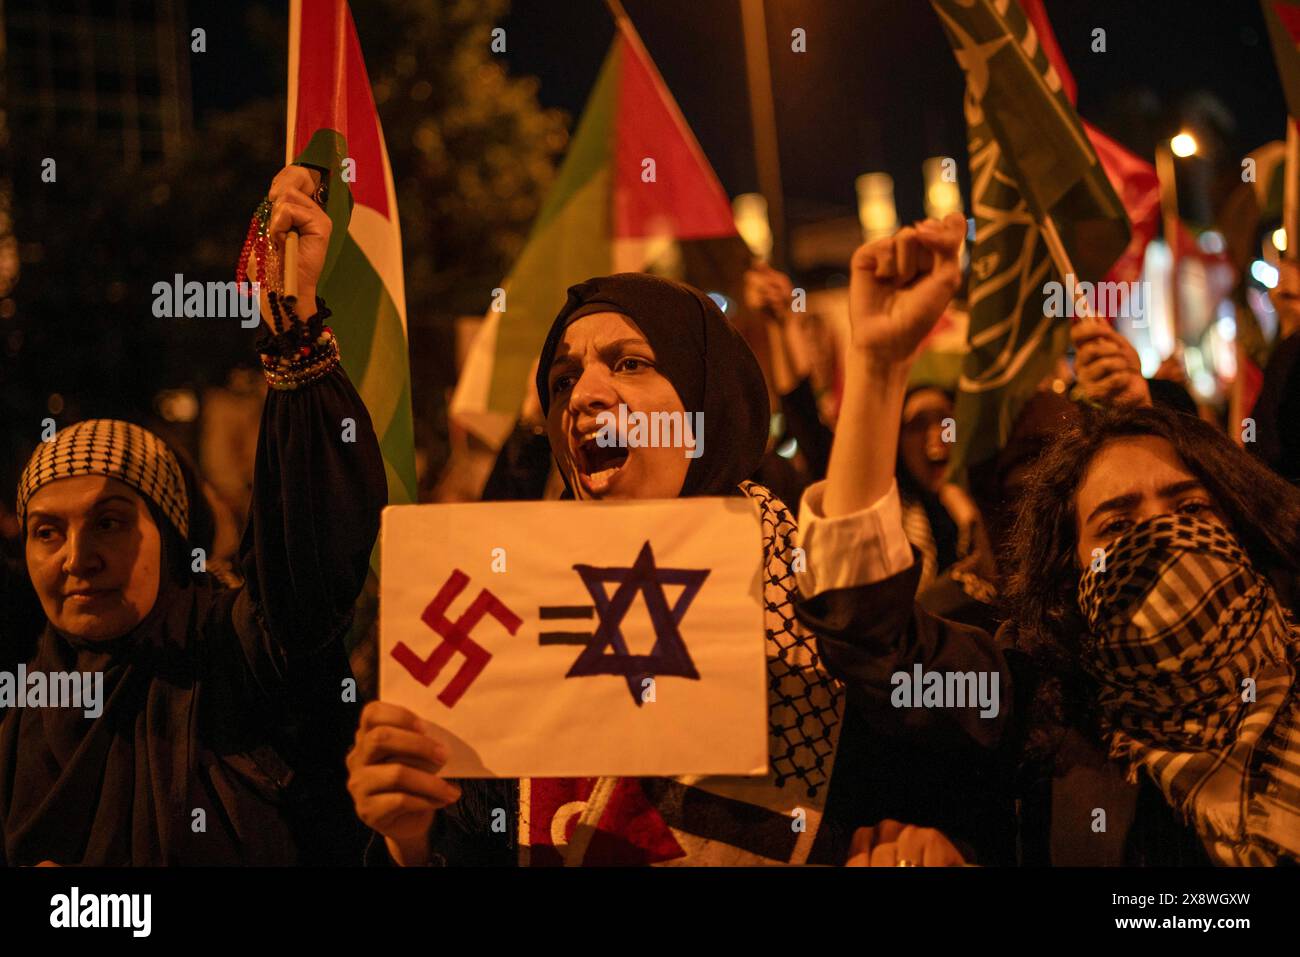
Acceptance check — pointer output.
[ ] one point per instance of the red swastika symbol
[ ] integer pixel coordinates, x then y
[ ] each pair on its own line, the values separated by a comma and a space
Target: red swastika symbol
455, 638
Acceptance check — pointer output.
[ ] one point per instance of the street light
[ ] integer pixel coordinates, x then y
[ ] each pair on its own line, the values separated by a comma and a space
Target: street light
750, 213
876, 210
942, 195
1183, 145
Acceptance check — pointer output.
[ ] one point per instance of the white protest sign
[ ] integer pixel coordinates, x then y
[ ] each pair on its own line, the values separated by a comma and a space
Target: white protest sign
572, 639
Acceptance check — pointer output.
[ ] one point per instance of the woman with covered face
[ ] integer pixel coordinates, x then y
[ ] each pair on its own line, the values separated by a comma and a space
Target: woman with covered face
653, 346
213, 718
1148, 668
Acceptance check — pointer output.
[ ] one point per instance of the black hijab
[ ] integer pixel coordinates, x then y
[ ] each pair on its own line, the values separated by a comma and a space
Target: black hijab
942, 527
700, 353
106, 791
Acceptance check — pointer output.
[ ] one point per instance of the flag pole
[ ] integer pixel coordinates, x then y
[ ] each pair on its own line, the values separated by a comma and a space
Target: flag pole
1291, 191
1166, 175
291, 237
762, 111
1064, 267
291, 264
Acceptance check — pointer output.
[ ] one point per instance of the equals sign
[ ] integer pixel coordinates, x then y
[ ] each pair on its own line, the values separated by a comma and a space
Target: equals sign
560, 613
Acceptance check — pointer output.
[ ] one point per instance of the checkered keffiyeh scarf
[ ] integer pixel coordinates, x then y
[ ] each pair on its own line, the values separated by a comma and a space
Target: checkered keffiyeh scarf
117, 449
1178, 621
804, 701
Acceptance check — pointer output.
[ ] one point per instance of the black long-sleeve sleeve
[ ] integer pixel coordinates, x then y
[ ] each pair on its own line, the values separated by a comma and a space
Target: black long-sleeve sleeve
942, 767
870, 633
318, 490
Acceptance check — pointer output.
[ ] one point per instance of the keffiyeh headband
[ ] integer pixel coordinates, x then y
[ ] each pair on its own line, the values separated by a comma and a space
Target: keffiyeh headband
117, 449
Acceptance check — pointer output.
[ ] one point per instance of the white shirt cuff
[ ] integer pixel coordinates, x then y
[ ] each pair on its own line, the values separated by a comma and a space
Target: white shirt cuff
861, 548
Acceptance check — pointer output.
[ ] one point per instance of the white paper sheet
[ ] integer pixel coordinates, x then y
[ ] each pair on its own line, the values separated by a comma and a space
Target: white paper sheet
705, 712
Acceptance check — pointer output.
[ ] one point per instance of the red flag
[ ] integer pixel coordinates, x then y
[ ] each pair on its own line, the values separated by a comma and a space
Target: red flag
686, 199
1138, 189
1133, 178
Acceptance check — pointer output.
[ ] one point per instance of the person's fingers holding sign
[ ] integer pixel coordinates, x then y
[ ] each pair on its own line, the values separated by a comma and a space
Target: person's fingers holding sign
1107, 366
393, 777
893, 844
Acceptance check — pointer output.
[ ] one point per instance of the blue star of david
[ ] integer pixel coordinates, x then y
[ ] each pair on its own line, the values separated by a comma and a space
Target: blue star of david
669, 655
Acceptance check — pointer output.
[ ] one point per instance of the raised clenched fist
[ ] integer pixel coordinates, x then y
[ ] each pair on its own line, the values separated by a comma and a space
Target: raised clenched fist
899, 286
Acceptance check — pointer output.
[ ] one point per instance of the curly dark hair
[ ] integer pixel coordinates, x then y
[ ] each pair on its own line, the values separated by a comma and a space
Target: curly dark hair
1040, 589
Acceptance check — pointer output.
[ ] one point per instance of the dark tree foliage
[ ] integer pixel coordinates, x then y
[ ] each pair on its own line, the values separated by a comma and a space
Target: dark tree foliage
472, 154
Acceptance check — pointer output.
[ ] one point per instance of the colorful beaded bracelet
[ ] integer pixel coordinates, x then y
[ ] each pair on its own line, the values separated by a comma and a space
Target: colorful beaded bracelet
287, 378
303, 352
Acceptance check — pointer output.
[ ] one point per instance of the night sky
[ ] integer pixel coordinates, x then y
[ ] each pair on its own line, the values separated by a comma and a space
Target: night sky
878, 87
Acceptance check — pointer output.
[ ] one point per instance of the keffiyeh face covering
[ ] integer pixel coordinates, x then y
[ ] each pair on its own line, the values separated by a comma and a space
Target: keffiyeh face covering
1197, 664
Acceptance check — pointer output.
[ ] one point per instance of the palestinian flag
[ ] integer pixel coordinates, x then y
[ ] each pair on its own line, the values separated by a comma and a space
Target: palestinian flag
1030, 161
333, 126
633, 185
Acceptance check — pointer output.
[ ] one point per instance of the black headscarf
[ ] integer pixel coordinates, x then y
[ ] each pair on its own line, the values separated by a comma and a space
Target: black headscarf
942, 527
700, 353
106, 791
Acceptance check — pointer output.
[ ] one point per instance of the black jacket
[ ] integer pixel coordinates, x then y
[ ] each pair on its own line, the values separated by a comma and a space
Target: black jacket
869, 633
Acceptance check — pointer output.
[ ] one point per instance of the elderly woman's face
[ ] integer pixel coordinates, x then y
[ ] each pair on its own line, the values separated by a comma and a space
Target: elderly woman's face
1130, 480
94, 555
602, 362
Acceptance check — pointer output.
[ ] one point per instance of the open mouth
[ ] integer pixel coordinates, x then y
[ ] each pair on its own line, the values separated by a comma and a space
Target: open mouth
598, 465
937, 464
